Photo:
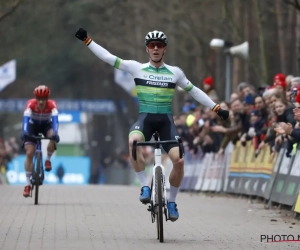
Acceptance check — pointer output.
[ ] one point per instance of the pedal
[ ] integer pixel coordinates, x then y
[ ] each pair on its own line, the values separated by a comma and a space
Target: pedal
32, 180
42, 177
166, 214
31, 190
149, 208
152, 217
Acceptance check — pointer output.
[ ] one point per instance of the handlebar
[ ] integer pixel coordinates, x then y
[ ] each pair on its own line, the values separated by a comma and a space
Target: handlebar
156, 144
37, 137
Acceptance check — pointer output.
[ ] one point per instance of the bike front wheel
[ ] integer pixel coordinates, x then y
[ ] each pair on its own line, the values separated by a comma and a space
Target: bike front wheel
159, 196
37, 177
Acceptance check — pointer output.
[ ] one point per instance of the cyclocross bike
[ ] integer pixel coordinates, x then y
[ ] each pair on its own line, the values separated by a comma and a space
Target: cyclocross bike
37, 177
158, 202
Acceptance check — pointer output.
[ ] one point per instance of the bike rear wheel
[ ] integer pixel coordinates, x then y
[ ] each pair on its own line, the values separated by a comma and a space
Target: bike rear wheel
37, 177
159, 214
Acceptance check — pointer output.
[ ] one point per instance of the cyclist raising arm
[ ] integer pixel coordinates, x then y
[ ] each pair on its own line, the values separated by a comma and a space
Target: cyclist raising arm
40, 116
155, 84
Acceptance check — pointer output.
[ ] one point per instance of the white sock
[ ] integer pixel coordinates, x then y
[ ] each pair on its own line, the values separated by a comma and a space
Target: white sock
173, 193
49, 154
142, 176
28, 175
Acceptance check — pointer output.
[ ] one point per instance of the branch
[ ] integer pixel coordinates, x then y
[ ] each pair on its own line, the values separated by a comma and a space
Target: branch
237, 32
294, 3
14, 5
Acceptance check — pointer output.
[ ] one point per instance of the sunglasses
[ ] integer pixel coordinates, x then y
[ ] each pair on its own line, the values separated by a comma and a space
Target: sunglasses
41, 98
159, 45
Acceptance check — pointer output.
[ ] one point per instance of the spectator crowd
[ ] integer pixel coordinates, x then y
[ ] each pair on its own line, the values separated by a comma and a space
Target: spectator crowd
9, 149
267, 116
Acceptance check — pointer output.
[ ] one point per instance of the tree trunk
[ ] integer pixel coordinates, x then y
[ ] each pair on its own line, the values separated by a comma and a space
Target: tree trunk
281, 37
237, 62
247, 21
298, 42
291, 41
138, 31
12, 7
262, 52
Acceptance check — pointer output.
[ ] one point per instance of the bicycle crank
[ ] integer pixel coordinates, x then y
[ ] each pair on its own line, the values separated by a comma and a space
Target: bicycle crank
166, 213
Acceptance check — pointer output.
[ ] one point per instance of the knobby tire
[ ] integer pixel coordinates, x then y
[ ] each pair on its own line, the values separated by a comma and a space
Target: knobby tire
159, 214
37, 177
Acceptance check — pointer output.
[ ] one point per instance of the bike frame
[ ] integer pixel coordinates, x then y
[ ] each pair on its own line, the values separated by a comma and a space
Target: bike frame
40, 177
38, 150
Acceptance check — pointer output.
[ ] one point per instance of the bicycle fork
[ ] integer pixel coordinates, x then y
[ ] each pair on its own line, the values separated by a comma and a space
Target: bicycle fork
154, 203
34, 175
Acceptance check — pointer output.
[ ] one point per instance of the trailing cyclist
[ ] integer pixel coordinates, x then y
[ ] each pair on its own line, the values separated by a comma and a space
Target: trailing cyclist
155, 84
40, 116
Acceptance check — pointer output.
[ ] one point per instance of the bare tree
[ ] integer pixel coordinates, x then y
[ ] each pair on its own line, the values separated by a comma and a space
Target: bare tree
281, 39
9, 8
294, 3
261, 37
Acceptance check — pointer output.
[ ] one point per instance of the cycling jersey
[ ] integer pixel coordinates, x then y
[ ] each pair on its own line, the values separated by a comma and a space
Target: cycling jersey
33, 115
155, 86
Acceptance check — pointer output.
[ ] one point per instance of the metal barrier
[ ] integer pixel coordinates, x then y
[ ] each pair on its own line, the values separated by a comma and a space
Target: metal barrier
275, 178
3, 180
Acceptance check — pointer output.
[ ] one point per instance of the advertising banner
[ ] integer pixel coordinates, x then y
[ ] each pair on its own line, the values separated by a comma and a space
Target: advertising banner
65, 170
235, 170
265, 172
291, 187
202, 171
281, 177
275, 171
208, 173
8, 73
216, 167
247, 169
189, 164
198, 164
228, 154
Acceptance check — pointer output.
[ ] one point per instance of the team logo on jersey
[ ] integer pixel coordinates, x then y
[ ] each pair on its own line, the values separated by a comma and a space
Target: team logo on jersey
160, 78
161, 84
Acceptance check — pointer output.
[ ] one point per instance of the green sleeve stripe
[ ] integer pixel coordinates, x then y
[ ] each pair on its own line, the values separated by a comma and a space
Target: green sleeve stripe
117, 63
137, 132
189, 87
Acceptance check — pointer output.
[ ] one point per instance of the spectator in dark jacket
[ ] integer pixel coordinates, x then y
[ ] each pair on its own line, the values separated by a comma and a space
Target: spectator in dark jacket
261, 107
248, 103
285, 128
241, 121
255, 130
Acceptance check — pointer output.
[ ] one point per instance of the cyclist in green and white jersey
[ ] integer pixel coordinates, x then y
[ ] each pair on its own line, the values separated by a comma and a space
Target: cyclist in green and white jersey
155, 85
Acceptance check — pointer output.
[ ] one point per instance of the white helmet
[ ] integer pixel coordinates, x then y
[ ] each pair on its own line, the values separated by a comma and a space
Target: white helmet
156, 36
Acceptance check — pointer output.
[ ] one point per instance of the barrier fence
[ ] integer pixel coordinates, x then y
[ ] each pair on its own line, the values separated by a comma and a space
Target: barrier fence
3, 179
273, 177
